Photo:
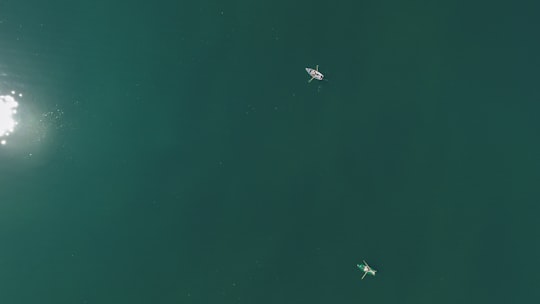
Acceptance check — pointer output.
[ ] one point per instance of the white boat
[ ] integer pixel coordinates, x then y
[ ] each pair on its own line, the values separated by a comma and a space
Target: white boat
366, 269
315, 74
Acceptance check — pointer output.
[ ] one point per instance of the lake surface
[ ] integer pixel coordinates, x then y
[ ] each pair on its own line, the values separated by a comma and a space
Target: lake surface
174, 152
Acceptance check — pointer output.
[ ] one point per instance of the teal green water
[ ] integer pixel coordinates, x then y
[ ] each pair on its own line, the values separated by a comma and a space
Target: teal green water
173, 152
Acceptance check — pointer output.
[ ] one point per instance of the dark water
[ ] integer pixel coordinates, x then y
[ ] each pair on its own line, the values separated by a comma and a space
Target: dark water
173, 152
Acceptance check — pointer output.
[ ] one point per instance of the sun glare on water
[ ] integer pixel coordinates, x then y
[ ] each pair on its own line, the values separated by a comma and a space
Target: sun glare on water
8, 109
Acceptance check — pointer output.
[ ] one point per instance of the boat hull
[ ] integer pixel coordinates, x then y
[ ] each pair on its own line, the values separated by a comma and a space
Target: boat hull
315, 74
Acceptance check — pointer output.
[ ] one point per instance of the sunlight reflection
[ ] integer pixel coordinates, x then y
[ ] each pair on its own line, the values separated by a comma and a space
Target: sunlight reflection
29, 128
8, 109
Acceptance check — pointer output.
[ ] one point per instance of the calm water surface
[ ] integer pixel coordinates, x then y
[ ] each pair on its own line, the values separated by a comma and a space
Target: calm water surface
173, 152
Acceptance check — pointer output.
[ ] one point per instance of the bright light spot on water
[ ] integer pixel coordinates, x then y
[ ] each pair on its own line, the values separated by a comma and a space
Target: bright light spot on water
8, 108
30, 128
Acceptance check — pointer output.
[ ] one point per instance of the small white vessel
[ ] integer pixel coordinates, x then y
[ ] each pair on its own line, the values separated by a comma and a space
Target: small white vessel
366, 269
315, 74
